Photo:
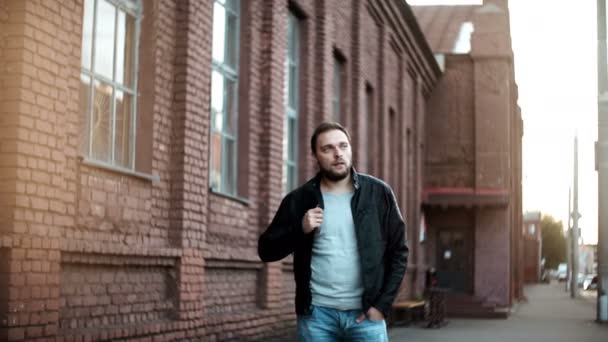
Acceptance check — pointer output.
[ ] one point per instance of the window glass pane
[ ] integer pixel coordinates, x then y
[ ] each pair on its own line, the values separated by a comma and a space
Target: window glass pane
369, 117
101, 127
232, 41
133, 6
230, 172
286, 83
219, 32
217, 100
233, 5
292, 86
104, 39
292, 140
291, 114
87, 34
224, 96
218, 121
292, 37
85, 114
291, 178
286, 140
337, 90
215, 176
284, 178
125, 41
285, 154
231, 107
123, 124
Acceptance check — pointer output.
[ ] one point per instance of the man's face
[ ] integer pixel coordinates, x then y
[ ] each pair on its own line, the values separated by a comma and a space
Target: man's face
334, 155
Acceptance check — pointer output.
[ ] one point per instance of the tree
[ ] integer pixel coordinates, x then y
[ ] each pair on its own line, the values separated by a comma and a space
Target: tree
554, 241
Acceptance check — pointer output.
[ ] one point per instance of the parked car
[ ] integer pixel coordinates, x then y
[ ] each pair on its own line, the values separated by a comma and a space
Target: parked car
590, 282
562, 272
580, 279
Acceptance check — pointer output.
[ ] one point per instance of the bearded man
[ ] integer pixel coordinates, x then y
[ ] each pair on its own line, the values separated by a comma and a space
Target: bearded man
347, 237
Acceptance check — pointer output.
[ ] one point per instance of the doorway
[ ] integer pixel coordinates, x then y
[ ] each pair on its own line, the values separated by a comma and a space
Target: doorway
455, 259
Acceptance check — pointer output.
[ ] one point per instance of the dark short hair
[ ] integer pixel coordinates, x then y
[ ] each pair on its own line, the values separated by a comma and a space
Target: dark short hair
324, 127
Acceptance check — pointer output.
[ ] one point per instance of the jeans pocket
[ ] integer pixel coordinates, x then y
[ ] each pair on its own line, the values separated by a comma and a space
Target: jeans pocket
375, 320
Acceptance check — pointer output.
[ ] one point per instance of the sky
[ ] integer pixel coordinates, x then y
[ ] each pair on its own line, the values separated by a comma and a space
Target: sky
555, 55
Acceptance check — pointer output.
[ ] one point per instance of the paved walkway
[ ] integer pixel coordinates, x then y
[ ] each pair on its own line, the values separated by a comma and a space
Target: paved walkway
549, 315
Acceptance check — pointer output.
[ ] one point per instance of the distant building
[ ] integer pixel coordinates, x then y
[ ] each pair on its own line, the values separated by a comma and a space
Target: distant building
472, 184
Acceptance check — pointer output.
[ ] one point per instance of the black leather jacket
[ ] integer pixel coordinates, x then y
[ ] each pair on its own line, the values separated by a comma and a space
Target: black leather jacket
380, 232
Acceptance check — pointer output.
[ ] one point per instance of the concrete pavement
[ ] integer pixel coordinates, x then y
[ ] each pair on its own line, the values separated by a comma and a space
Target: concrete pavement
548, 315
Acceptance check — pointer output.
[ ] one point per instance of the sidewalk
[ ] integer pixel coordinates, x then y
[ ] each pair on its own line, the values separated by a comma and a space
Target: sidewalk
549, 315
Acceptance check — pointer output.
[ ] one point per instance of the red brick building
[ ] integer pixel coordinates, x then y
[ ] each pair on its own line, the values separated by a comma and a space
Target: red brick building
144, 145
472, 184
532, 247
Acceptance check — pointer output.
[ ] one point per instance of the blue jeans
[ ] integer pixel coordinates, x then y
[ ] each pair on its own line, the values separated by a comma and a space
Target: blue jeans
327, 324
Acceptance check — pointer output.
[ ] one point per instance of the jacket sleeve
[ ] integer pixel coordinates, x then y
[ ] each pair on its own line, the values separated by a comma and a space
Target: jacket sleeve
396, 254
280, 238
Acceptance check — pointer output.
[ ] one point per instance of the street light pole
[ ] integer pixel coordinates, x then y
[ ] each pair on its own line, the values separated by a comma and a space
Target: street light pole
601, 162
569, 242
575, 217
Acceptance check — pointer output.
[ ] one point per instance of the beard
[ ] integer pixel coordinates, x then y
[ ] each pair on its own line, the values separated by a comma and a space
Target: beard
334, 176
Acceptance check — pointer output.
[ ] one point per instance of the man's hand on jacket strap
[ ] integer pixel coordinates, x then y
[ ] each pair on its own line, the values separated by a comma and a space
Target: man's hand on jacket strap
312, 220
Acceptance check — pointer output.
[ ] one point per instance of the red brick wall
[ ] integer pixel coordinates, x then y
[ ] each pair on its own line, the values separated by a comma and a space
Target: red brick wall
492, 273
95, 254
37, 104
99, 292
367, 76
450, 159
531, 265
496, 154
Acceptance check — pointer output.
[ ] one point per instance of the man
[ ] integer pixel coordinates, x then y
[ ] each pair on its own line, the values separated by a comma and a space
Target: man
347, 237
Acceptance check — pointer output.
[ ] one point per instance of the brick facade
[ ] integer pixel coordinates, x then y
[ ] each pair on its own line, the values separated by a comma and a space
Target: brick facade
473, 159
92, 253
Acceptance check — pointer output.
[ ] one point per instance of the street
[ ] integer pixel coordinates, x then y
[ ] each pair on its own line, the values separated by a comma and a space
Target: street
548, 315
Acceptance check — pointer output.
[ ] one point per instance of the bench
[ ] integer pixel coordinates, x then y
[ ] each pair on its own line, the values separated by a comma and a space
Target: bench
407, 311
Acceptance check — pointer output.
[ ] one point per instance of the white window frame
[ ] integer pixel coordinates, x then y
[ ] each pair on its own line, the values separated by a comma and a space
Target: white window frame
290, 142
338, 84
228, 168
133, 8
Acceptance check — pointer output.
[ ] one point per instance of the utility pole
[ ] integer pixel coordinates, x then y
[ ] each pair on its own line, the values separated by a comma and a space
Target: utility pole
601, 162
575, 216
569, 242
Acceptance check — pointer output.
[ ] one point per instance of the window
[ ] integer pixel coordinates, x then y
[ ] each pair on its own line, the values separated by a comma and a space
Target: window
532, 229
224, 97
108, 81
290, 147
338, 86
393, 172
367, 141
